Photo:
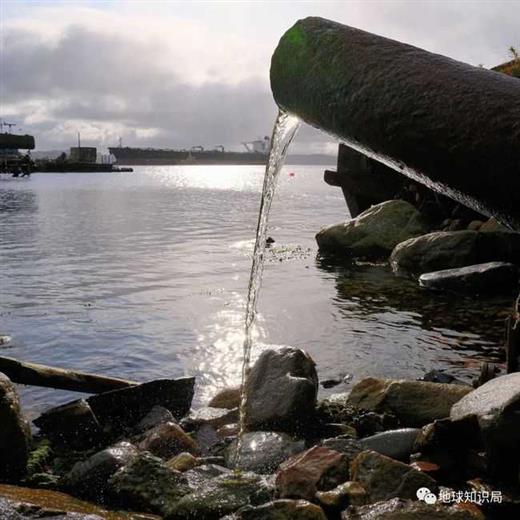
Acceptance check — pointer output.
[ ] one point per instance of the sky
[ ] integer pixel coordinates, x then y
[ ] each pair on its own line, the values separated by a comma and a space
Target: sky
177, 74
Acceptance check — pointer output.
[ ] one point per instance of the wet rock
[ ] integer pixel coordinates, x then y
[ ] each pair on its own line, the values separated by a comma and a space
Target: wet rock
338, 430
228, 398
54, 505
492, 225
89, 478
201, 475
396, 444
72, 425
415, 403
284, 510
384, 478
5, 340
183, 462
281, 392
434, 251
228, 431
369, 423
156, 416
166, 440
348, 493
263, 452
373, 234
208, 440
440, 376
452, 249
489, 278
15, 435
119, 410
221, 496
493, 408
397, 509
215, 417
319, 468
147, 484
347, 445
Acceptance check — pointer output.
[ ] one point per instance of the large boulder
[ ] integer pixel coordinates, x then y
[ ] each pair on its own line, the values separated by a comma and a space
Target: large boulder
398, 509
373, 234
494, 409
415, 403
15, 435
452, 249
316, 469
488, 278
263, 452
89, 477
281, 391
384, 478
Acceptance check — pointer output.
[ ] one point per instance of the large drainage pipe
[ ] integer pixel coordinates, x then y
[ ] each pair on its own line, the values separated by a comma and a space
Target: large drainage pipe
449, 125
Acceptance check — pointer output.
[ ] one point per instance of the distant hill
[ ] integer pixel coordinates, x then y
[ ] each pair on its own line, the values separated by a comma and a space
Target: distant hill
314, 158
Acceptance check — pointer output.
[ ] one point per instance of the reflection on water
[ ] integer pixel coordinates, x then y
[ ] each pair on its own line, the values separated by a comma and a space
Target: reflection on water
144, 275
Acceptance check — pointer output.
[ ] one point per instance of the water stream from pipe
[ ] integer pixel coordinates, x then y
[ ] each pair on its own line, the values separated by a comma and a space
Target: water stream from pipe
284, 131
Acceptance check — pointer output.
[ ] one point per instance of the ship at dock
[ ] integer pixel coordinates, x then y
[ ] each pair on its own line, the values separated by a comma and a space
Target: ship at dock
256, 152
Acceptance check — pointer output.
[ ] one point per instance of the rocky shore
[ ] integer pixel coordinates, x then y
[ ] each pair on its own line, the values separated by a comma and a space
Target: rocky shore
464, 255
389, 449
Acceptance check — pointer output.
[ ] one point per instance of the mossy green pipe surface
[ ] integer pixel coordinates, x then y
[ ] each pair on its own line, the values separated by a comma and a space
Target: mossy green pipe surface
447, 124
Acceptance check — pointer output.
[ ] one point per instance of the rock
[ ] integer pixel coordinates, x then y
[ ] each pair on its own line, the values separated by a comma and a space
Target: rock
201, 475
440, 376
228, 431
490, 278
72, 425
492, 225
453, 249
156, 416
348, 493
15, 435
54, 505
5, 340
384, 478
434, 251
415, 403
221, 496
119, 410
369, 423
281, 391
493, 408
208, 440
347, 445
89, 478
284, 510
475, 225
263, 452
319, 468
166, 440
148, 484
228, 398
373, 234
215, 417
396, 444
397, 509
183, 462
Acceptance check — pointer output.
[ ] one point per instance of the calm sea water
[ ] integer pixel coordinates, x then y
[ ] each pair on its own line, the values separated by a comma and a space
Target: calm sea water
144, 275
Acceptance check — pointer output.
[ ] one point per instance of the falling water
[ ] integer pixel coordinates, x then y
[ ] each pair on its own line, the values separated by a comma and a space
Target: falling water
284, 130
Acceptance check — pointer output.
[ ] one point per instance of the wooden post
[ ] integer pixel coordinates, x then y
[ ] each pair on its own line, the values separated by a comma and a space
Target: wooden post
52, 377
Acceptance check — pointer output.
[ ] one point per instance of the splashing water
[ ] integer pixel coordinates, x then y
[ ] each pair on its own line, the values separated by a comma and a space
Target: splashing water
284, 130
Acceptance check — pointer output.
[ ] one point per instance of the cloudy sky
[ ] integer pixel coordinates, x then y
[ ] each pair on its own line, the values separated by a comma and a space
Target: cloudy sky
180, 73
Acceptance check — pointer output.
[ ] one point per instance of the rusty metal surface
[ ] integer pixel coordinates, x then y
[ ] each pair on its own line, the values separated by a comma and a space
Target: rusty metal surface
447, 124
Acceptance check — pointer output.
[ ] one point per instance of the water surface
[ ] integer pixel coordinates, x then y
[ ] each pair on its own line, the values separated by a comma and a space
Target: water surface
144, 275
